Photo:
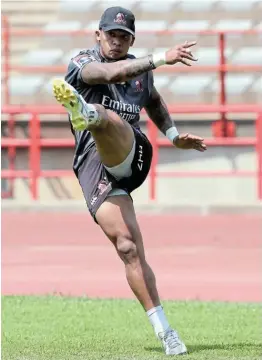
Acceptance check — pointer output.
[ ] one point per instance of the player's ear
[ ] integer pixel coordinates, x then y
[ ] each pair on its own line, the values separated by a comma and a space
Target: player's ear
132, 41
98, 35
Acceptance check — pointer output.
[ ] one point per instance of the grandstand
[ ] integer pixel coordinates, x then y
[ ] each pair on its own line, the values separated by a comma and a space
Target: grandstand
39, 39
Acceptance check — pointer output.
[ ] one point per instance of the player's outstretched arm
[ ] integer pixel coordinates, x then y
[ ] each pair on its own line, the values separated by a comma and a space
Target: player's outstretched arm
158, 113
110, 73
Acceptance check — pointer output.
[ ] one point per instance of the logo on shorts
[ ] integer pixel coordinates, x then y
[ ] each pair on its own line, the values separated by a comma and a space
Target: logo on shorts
120, 19
140, 160
102, 187
139, 87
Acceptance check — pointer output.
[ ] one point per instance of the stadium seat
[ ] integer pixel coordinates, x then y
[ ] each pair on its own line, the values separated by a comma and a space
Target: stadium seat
232, 25
235, 84
248, 56
63, 25
124, 3
210, 55
92, 25
138, 52
160, 49
25, 85
196, 6
237, 6
149, 25
75, 5
42, 57
69, 55
190, 84
257, 85
156, 6
161, 81
196, 25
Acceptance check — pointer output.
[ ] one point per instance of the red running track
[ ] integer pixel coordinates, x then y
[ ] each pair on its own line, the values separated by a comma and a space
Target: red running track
194, 257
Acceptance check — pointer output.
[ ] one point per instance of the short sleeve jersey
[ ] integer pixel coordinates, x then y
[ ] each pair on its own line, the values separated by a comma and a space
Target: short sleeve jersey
127, 99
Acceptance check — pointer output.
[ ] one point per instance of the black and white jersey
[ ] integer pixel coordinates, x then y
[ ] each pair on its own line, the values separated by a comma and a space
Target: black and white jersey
126, 99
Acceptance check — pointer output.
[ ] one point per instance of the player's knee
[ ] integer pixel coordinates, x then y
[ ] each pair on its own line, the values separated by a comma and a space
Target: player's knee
126, 248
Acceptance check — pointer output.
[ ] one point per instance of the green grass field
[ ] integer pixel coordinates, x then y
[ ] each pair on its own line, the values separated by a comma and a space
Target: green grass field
58, 328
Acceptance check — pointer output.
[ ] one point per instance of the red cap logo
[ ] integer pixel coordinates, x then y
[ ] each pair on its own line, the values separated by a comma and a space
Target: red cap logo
120, 19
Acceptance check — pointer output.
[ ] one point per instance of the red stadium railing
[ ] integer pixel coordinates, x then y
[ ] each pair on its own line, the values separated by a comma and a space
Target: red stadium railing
34, 143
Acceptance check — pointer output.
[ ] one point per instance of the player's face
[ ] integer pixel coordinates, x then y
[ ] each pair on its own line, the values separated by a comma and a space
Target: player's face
115, 43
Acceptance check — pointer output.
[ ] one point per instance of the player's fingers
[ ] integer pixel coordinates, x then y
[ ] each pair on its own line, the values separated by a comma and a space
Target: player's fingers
189, 44
188, 51
188, 56
202, 146
199, 148
185, 62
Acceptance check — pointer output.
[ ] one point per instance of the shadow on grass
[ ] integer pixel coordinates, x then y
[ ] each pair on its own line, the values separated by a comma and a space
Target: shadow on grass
196, 348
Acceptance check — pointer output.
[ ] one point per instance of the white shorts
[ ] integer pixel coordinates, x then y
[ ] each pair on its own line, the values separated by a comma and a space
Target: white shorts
122, 170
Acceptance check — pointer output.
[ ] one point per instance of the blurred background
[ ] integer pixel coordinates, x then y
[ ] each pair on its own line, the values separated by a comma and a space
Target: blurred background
219, 98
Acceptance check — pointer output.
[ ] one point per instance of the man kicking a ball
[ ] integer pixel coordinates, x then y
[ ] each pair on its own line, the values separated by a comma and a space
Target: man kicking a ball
104, 91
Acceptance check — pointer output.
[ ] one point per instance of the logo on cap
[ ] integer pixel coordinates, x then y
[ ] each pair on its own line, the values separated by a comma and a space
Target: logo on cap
120, 19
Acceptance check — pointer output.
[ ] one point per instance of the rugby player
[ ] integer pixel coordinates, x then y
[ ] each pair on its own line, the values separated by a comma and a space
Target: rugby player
104, 91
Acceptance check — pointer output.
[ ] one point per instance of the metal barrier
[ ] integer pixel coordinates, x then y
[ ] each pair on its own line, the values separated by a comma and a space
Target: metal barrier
34, 143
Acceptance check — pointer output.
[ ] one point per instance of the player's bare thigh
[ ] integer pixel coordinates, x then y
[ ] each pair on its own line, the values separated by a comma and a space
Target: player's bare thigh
116, 216
115, 140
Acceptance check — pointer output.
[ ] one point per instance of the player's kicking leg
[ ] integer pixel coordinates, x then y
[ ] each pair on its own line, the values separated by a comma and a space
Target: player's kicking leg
115, 143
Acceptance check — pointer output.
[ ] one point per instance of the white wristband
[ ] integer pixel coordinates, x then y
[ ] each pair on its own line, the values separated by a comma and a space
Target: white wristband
172, 133
159, 59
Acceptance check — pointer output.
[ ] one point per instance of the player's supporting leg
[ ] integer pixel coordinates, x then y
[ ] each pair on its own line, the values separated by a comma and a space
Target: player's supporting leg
114, 137
116, 217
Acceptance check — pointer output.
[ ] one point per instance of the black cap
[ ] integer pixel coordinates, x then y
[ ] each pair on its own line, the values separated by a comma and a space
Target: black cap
118, 18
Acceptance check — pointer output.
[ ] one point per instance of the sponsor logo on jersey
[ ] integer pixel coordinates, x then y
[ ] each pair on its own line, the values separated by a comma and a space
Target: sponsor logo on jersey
139, 86
127, 111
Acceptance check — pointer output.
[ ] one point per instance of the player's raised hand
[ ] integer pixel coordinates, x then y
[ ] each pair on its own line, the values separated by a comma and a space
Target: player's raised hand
181, 53
188, 141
